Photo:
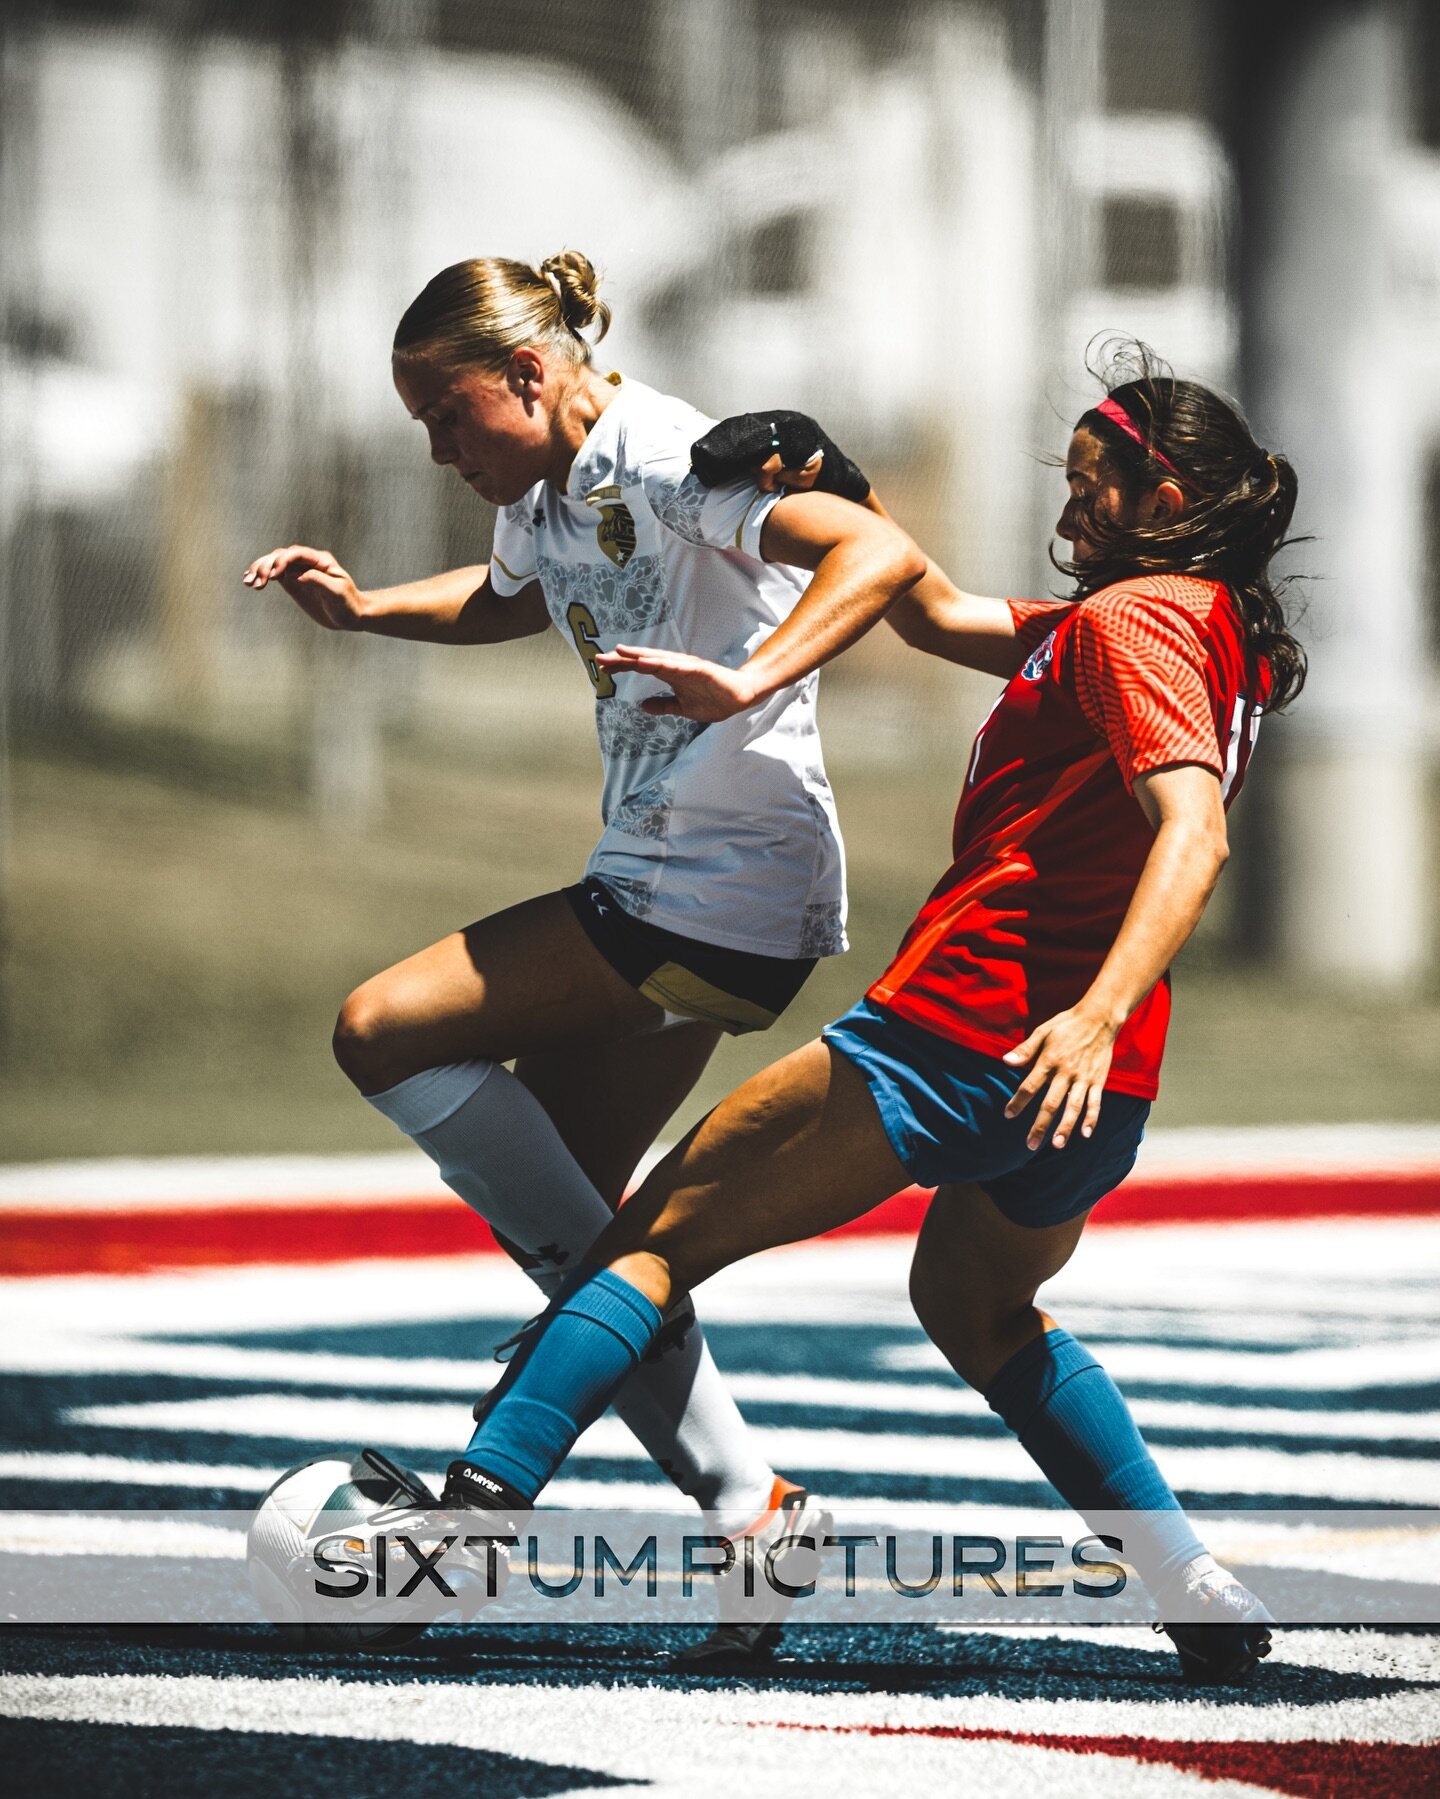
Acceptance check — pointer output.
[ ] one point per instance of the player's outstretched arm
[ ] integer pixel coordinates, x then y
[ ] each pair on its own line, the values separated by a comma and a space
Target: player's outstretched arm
862, 563
936, 617
460, 606
1068, 1056
788, 451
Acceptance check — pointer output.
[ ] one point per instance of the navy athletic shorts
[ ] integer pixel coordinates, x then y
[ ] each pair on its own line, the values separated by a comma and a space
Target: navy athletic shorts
733, 988
943, 1108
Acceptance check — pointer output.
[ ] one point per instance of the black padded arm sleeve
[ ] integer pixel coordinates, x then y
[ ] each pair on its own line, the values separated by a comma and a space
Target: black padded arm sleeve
737, 447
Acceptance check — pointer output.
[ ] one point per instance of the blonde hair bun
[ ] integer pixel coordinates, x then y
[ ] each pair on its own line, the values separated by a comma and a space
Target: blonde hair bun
576, 285
478, 313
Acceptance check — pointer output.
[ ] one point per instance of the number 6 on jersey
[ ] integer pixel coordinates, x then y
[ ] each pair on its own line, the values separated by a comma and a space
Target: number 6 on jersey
583, 629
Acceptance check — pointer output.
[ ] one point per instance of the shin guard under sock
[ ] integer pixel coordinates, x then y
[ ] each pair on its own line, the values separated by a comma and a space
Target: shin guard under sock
594, 1334
1071, 1418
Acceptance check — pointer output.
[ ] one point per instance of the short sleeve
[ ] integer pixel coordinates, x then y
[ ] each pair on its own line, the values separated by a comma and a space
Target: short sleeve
1139, 674
512, 560
1035, 619
722, 518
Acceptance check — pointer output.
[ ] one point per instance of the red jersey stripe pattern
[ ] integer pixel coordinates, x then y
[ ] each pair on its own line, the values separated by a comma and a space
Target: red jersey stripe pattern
1049, 840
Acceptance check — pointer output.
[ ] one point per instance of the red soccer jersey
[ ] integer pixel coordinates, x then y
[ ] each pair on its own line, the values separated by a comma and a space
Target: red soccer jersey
1049, 840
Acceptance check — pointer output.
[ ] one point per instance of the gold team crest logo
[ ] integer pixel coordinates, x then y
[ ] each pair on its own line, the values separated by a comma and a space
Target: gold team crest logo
615, 533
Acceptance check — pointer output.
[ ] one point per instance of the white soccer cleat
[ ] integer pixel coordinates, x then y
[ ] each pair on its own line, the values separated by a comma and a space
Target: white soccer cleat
792, 1513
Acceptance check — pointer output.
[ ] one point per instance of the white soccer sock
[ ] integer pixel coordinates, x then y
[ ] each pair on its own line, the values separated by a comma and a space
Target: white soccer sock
495, 1145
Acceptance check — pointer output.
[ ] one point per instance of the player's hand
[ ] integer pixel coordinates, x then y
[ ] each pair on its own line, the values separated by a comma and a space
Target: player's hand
1068, 1058
698, 689
778, 451
773, 476
316, 582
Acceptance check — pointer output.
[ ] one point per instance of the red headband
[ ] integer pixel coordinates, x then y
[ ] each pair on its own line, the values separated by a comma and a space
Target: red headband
1117, 415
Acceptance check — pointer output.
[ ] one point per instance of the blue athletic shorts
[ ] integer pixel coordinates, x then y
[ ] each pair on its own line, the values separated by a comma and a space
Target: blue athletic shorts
943, 1108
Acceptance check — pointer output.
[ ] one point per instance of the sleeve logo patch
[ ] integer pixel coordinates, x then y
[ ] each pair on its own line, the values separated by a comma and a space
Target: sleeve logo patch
1034, 669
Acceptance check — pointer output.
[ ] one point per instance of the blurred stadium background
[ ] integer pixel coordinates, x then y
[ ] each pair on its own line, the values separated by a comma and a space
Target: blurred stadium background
910, 218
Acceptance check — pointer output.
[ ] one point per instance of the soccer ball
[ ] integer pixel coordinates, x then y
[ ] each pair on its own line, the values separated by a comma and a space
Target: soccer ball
320, 1501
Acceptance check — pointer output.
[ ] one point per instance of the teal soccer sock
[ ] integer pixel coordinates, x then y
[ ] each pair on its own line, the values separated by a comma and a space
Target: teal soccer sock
594, 1333
1071, 1418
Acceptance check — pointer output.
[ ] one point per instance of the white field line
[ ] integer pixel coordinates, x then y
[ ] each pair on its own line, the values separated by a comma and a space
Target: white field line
163, 1182
255, 1298
1260, 1263
1347, 1263
71, 1466
1373, 1546
85, 1471
639, 1732
1318, 1475
76, 1533
1355, 1312
1203, 1153
1307, 1370
1355, 1651
357, 1374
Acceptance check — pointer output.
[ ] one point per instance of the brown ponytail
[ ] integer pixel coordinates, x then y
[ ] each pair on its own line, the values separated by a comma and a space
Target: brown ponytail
1240, 501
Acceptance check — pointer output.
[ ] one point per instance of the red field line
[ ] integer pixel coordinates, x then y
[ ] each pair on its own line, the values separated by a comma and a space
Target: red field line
92, 1240
1308, 1769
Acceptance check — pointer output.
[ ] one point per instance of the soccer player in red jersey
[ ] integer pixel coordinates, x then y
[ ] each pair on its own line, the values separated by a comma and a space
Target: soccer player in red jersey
1009, 1053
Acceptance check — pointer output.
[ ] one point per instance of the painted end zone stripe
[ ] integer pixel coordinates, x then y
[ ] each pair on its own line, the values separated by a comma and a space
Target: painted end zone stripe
1253, 1198
91, 1240
1340, 1770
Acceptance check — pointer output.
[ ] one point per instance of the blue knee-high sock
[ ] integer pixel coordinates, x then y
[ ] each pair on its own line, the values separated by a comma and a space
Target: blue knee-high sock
1071, 1418
595, 1331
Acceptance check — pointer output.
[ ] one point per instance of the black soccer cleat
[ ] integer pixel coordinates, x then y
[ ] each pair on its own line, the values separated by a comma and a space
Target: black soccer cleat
729, 1649
495, 1513
473, 1489
1232, 1645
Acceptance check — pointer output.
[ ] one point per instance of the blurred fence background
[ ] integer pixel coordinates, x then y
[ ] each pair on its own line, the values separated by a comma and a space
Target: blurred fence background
909, 216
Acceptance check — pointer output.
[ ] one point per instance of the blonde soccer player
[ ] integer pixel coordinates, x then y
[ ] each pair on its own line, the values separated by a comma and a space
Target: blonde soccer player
718, 879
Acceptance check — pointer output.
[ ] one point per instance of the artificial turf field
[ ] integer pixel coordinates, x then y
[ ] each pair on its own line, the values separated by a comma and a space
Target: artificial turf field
1285, 1363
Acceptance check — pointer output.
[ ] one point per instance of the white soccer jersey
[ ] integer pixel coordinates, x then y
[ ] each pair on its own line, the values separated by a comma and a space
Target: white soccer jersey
724, 832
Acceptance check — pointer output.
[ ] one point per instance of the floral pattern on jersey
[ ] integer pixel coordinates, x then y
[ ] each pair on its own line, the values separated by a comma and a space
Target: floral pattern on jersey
623, 602
822, 932
626, 732
635, 897
644, 813
678, 504
519, 514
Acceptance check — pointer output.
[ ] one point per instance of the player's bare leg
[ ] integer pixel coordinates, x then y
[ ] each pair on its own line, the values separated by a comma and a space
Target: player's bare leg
769, 1128
610, 1108
974, 1278
973, 1283
522, 981
424, 1041
798, 1150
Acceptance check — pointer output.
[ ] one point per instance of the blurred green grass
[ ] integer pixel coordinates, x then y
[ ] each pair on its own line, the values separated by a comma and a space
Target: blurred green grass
180, 935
